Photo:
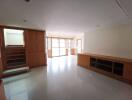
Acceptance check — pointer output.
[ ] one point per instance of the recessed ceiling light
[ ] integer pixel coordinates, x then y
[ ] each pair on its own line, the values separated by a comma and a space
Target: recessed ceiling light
25, 20
27, 0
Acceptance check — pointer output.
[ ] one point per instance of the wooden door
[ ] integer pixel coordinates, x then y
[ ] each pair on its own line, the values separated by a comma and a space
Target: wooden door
35, 48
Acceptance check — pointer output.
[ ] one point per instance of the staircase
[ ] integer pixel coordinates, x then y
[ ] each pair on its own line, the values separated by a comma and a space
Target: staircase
15, 61
15, 57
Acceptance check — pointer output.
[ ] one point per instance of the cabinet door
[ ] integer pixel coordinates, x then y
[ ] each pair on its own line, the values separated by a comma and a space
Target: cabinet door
83, 60
128, 71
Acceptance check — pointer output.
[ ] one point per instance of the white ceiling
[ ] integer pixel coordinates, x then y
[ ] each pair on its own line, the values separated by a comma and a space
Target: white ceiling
64, 16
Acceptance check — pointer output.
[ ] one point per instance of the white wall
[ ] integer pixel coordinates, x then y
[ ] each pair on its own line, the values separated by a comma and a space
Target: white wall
114, 41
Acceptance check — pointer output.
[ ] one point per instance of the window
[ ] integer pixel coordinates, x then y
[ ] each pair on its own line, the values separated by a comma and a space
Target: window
55, 43
58, 46
55, 47
62, 47
79, 46
62, 43
13, 37
55, 51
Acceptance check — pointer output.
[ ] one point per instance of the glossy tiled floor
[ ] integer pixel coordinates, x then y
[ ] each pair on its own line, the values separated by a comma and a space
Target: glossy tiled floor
64, 80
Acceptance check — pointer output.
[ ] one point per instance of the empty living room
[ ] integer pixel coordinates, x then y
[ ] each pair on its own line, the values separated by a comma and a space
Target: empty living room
65, 50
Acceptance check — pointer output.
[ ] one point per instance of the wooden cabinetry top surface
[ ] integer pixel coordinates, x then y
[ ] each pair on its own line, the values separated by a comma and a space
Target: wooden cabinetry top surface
107, 57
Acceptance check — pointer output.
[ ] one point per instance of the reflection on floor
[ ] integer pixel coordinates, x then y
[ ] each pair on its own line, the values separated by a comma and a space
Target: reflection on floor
64, 80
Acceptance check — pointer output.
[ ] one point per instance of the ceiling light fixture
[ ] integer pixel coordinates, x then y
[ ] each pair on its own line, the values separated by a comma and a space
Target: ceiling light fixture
27, 0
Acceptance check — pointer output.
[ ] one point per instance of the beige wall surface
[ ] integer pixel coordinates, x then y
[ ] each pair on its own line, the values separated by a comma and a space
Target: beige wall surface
112, 41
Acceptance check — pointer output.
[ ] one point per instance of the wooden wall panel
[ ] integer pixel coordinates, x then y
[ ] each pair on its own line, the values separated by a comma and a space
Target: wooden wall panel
35, 48
2, 94
40, 41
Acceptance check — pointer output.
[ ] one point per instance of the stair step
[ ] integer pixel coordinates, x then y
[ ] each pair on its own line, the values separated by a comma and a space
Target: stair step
15, 71
15, 55
15, 66
15, 59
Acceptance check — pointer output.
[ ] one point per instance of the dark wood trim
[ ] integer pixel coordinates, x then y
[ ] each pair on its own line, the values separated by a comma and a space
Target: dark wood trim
3, 56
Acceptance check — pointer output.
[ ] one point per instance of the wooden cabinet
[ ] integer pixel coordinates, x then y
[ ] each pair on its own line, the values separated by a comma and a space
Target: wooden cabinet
119, 68
128, 71
35, 48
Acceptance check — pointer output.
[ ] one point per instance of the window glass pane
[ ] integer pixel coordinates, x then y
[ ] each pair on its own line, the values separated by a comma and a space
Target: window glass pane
62, 42
69, 51
55, 42
13, 37
79, 43
69, 43
49, 44
79, 46
79, 50
62, 51
55, 51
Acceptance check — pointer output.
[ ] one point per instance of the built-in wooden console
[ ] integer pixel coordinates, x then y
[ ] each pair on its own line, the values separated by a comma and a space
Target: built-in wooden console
119, 68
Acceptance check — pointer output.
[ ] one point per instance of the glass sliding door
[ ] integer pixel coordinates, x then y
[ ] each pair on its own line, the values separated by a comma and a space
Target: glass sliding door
58, 46
79, 46
49, 47
69, 47
62, 47
55, 47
